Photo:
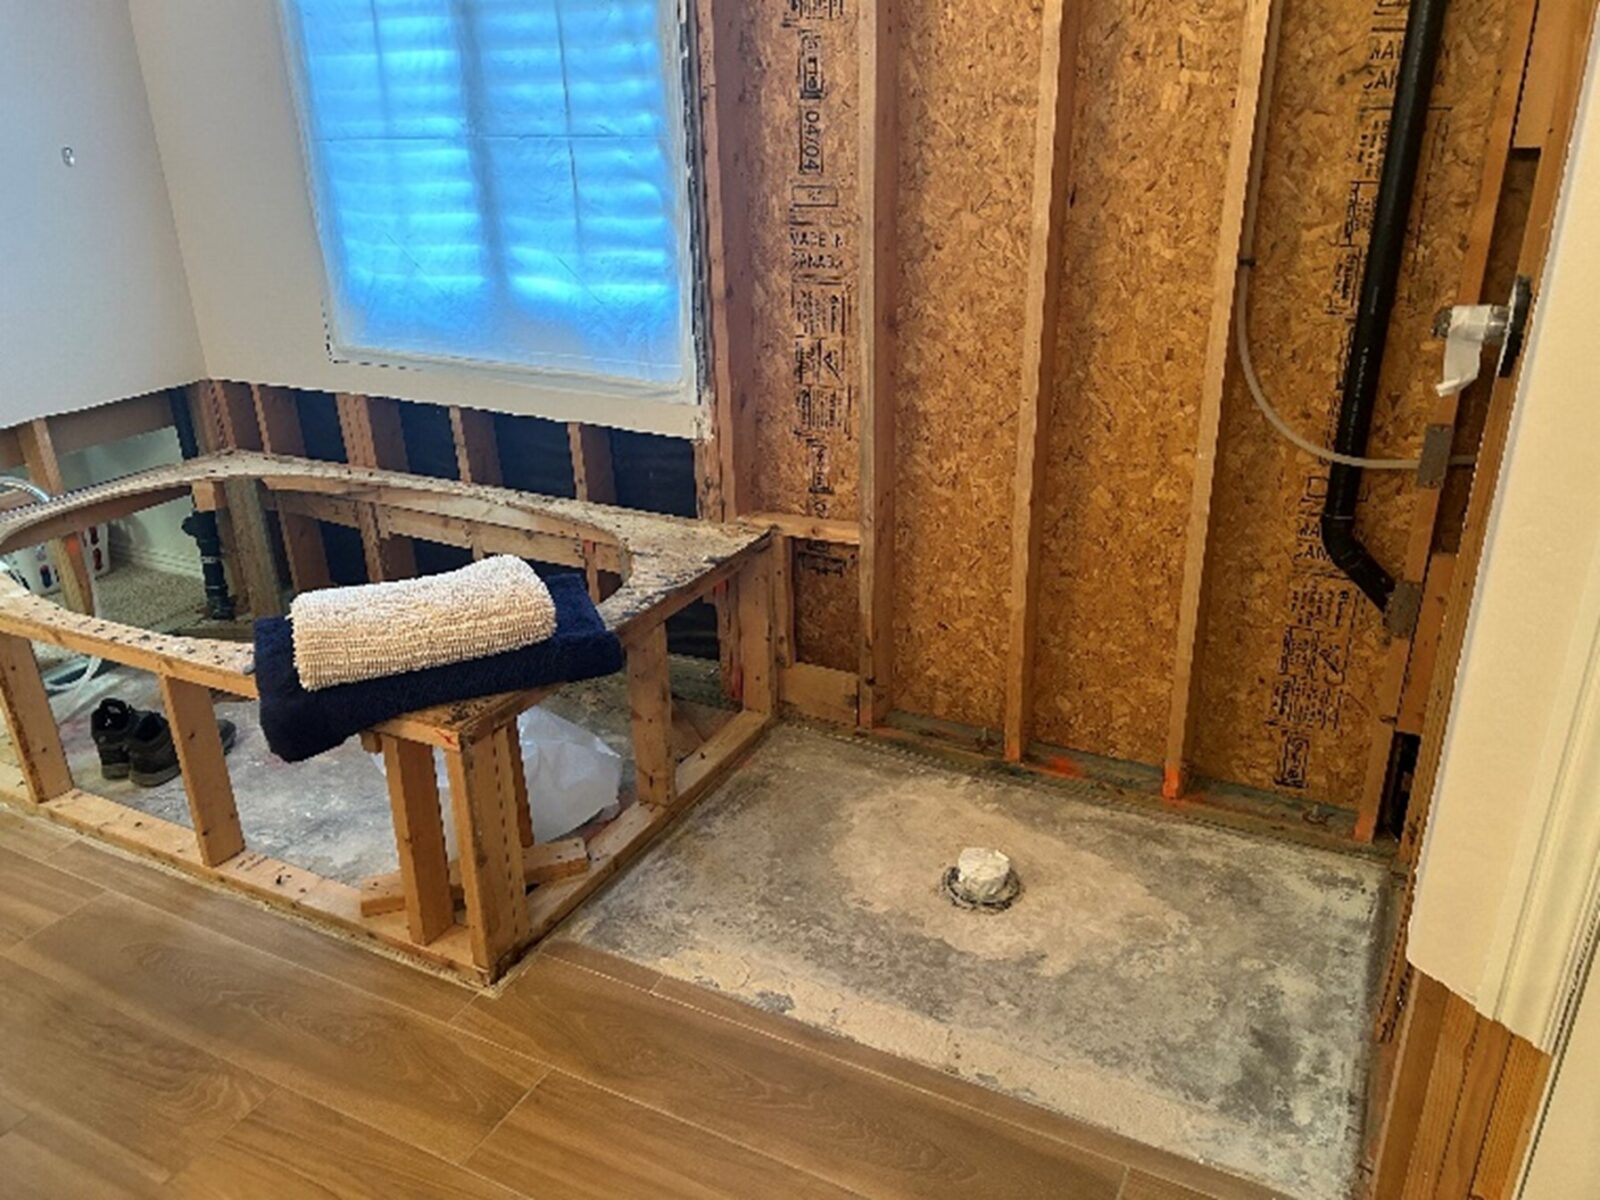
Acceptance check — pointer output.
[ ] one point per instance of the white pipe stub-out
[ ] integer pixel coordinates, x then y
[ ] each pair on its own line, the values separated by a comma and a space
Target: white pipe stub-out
982, 879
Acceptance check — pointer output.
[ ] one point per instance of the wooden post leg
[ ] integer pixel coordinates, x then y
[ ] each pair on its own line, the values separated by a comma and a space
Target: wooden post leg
205, 771
66, 555
419, 837
591, 571
253, 545
757, 653
519, 787
482, 798
726, 603
33, 726
650, 706
783, 601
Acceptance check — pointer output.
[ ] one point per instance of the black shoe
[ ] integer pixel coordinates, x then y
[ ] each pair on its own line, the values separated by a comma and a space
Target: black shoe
110, 725
152, 758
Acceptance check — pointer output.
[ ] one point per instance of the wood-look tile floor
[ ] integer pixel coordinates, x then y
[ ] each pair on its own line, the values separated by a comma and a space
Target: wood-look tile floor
160, 1039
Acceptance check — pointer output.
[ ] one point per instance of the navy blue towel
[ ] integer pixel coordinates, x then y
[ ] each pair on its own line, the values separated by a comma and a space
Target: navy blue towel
300, 724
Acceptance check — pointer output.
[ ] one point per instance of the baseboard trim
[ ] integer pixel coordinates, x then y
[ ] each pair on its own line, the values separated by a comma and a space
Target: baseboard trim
159, 560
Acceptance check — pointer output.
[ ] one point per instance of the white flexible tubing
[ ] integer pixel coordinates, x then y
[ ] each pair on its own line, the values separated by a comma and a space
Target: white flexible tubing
1241, 326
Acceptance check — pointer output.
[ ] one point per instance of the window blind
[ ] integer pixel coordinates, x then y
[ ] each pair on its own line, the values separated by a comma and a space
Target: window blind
500, 182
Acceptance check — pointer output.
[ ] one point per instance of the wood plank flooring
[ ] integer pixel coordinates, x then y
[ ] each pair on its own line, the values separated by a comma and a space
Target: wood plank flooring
162, 1040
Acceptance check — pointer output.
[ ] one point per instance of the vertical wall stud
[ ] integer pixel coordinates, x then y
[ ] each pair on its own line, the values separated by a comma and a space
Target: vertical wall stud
1052, 174
1409, 665
278, 418
594, 480
477, 451
879, 164
252, 546
370, 426
207, 399
727, 265
592, 473
1256, 56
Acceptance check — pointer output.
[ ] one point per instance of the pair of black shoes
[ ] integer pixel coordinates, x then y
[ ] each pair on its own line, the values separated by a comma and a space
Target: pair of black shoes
136, 744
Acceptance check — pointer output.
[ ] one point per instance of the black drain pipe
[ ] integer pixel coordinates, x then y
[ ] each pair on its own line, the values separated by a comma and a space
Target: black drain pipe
1419, 55
202, 526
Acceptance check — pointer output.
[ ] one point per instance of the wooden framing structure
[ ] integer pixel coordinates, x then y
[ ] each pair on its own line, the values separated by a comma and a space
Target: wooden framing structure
996, 474
1081, 558
1052, 170
1463, 1106
1235, 238
664, 565
879, 38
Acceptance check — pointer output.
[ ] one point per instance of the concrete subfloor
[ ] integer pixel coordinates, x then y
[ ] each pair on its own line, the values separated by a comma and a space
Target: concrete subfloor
331, 814
1200, 990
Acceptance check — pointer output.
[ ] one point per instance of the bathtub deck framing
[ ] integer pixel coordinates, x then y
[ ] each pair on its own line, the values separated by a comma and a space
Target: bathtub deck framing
663, 564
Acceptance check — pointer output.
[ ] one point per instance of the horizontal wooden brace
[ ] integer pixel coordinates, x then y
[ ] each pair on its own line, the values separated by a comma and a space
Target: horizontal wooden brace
814, 529
542, 863
451, 531
822, 693
110, 509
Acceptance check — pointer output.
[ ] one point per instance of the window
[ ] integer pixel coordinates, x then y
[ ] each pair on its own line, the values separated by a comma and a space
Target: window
502, 184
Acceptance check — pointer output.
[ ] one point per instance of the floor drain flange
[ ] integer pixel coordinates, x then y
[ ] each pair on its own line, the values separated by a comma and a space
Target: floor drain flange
981, 881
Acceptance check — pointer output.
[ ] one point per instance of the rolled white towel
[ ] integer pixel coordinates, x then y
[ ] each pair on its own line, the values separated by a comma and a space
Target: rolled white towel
346, 634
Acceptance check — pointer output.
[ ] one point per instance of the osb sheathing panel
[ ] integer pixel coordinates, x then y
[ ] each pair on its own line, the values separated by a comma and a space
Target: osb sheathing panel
1155, 88
827, 605
798, 83
1289, 658
968, 93
1292, 653
798, 91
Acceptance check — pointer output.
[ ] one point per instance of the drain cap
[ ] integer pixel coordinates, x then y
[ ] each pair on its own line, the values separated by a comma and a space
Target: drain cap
982, 879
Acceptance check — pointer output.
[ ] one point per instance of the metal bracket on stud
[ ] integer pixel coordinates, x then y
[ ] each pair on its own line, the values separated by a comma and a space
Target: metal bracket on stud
1434, 461
1404, 607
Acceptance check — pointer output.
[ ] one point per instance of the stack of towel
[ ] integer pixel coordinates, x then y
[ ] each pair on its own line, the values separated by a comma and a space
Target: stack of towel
346, 659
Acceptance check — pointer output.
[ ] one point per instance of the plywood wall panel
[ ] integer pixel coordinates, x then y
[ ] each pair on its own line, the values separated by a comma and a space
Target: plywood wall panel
827, 612
1291, 653
1155, 91
798, 91
968, 95
797, 134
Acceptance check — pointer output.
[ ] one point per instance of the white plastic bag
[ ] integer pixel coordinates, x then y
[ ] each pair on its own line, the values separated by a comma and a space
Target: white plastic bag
573, 776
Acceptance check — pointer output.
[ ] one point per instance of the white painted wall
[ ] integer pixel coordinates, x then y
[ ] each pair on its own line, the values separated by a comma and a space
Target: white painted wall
1509, 867
152, 537
93, 300
225, 120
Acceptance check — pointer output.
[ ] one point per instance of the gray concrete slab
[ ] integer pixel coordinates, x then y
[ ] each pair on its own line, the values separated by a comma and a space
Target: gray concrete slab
1197, 989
